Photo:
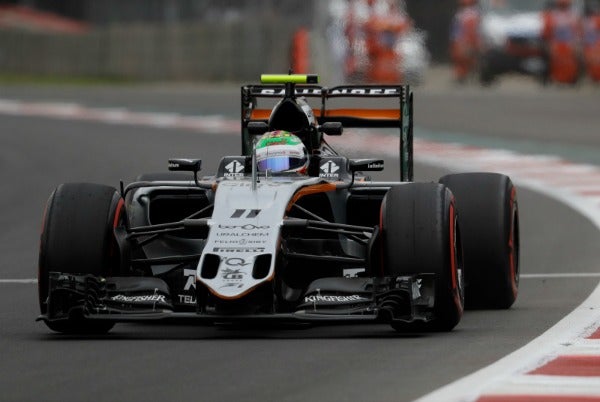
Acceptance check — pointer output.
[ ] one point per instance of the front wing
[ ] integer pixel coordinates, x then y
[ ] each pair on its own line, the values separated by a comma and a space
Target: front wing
406, 299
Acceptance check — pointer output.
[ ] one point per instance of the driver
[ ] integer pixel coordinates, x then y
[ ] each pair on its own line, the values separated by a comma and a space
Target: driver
281, 151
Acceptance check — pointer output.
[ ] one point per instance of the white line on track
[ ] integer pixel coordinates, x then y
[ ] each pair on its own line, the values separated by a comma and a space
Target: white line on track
561, 275
31, 280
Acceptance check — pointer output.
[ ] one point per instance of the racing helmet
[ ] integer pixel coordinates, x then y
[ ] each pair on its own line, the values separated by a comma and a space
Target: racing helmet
281, 151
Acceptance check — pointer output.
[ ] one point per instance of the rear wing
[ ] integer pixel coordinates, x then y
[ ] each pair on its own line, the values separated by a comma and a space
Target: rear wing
398, 116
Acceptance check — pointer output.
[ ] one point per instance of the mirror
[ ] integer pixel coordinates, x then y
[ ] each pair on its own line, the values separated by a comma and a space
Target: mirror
331, 128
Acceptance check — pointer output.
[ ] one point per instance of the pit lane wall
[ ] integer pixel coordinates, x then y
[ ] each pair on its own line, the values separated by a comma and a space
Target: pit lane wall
210, 51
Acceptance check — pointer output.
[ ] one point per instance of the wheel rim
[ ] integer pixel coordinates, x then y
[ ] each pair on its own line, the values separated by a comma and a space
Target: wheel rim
513, 244
460, 272
457, 269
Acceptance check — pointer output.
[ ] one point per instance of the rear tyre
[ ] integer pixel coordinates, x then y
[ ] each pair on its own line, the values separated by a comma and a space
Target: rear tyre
420, 235
77, 238
489, 218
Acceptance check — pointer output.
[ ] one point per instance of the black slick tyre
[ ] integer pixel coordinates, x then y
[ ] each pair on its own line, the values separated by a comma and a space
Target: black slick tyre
77, 238
420, 235
489, 218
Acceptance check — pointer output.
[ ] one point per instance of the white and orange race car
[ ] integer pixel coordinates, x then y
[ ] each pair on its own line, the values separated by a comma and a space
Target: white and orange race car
245, 244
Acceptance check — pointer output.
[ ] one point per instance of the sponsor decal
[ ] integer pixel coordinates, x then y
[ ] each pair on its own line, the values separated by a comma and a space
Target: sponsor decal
365, 91
242, 234
243, 227
187, 299
238, 249
334, 298
340, 91
278, 92
235, 261
190, 283
283, 150
139, 299
242, 242
375, 165
232, 277
177, 163
234, 168
329, 170
245, 213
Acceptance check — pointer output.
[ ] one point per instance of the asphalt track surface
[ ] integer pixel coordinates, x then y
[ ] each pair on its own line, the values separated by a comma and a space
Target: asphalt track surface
358, 363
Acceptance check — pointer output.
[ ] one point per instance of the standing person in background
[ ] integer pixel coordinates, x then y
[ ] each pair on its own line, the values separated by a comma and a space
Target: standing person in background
465, 42
562, 34
351, 32
591, 40
382, 32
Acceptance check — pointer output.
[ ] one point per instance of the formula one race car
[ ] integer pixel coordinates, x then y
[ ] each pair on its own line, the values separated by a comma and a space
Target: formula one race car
265, 240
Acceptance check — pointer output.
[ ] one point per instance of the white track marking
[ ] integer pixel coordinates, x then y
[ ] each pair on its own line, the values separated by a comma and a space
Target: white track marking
32, 280
73, 111
502, 374
569, 275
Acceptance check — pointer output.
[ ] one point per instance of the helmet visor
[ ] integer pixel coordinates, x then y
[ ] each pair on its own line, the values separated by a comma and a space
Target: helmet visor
281, 163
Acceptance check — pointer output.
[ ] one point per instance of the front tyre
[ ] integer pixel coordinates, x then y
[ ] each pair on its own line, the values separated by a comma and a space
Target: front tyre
421, 235
77, 238
489, 217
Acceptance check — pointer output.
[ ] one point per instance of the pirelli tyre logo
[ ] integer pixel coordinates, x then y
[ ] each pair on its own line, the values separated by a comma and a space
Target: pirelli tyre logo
238, 249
